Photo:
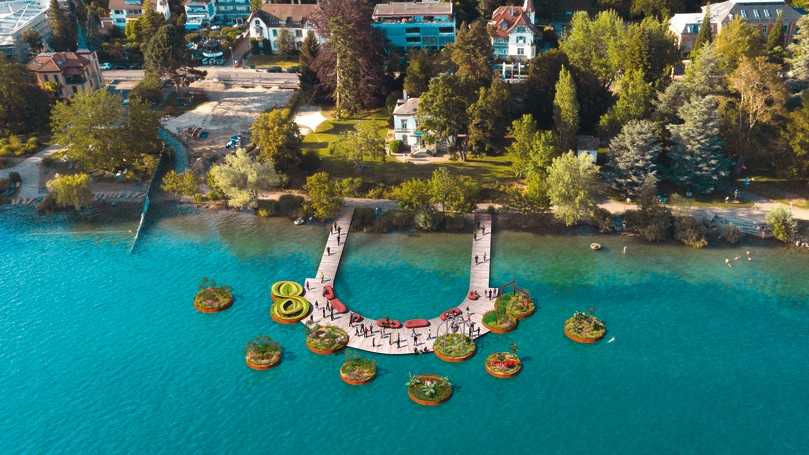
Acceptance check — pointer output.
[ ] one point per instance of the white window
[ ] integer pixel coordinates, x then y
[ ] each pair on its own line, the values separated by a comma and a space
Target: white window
743, 13
755, 13
766, 13
520, 51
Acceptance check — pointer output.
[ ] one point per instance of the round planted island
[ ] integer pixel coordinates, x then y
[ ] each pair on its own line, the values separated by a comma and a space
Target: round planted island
503, 365
429, 389
284, 289
213, 299
518, 305
326, 339
584, 328
290, 310
263, 353
358, 371
498, 321
454, 347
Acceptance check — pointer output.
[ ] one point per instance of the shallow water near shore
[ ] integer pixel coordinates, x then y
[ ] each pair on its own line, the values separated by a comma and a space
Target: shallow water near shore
102, 351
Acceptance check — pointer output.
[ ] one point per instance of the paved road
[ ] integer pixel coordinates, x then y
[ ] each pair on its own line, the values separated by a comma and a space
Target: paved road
220, 74
30, 172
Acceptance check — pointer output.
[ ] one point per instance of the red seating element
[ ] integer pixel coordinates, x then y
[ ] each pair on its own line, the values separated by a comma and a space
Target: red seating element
339, 307
328, 292
416, 323
389, 323
452, 312
355, 318
473, 295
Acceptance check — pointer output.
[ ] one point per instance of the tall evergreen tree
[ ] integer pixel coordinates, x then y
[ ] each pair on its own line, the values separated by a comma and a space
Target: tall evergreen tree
24, 105
650, 48
419, 72
487, 117
698, 160
442, 108
799, 60
796, 134
531, 149
775, 41
633, 156
472, 54
309, 50
566, 111
63, 28
705, 34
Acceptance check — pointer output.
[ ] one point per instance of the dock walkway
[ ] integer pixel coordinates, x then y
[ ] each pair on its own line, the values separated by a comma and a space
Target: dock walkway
402, 341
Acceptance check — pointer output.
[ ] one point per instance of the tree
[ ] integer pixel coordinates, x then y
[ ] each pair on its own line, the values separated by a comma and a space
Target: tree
704, 76
652, 221
566, 111
633, 156
278, 139
309, 50
365, 143
796, 134
24, 105
256, 5
661, 9
413, 195
149, 89
138, 135
738, 39
487, 117
531, 199
241, 177
572, 187
799, 61
183, 183
71, 190
705, 34
650, 48
538, 90
33, 40
532, 150
62, 25
596, 45
140, 32
782, 225
286, 43
699, 163
635, 98
454, 193
775, 41
325, 201
165, 52
442, 109
472, 54
419, 72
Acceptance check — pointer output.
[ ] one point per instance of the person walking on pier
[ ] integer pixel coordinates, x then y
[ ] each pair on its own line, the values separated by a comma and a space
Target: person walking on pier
476, 259
328, 251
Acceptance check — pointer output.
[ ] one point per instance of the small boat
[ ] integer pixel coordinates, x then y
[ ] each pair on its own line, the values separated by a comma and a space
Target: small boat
595, 246
611, 340
299, 221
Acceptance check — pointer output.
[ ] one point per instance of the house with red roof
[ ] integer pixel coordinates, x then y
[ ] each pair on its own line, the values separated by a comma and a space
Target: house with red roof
513, 30
67, 73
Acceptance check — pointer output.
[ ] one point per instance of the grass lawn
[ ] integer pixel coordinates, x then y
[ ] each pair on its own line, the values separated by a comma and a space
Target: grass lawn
782, 190
263, 61
488, 171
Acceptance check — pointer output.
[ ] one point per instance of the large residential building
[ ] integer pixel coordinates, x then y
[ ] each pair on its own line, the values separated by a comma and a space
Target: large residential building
16, 17
67, 72
513, 32
761, 13
272, 19
199, 13
123, 11
229, 12
424, 25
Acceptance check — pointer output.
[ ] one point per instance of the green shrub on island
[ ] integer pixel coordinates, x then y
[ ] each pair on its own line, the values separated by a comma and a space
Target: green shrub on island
584, 328
263, 353
428, 389
499, 321
326, 339
357, 370
212, 298
517, 304
454, 346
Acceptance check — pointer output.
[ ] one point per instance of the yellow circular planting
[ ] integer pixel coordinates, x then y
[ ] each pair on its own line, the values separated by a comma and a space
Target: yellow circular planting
283, 289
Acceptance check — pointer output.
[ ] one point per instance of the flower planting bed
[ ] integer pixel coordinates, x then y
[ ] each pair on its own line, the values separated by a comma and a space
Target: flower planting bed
284, 289
499, 323
326, 339
503, 365
263, 353
519, 305
454, 347
429, 389
358, 371
213, 299
584, 328
289, 310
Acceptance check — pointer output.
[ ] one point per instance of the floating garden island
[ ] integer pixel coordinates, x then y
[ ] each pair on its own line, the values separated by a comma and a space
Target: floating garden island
454, 347
358, 371
326, 339
584, 328
288, 305
212, 298
517, 304
429, 389
263, 353
499, 321
503, 364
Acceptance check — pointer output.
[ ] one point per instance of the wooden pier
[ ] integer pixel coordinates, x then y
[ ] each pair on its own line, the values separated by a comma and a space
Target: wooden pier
401, 341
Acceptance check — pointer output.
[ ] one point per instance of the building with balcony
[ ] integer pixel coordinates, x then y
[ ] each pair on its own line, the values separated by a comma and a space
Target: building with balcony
199, 13
123, 11
268, 23
422, 25
230, 12
67, 73
513, 32
17, 17
760, 13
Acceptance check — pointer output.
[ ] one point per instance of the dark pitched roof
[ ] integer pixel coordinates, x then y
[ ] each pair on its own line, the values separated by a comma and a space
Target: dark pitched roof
282, 14
58, 62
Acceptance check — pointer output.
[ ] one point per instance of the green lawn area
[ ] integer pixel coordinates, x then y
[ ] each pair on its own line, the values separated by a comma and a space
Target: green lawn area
489, 171
263, 61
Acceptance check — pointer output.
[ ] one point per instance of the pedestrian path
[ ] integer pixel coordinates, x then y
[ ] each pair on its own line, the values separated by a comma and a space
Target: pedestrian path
366, 334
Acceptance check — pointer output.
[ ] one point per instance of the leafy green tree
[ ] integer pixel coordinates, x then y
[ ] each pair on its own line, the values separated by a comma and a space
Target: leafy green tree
24, 105
652, 221
661, 9
325, 199
62, 26
635, 98
538, 90
596, 45
698, 160
472, 54
255, 5
286, 43
442, 109
413, 195
240, 177
419, 72
149, 89
738, 39
530, 199
88, 127
532, 149
633, 156
165, 51
278, 139
651, 48
367, 142
572, 187
140, 31
775, 41
465, 10
33, 40
182, 183
796, 134
782, 224
309, 50
138, 136
706, 75
566, 111
487, 117
454, 193
705, 34
799, 50
71, 190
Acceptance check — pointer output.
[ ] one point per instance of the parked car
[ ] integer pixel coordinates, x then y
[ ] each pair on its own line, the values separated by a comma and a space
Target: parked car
234, 142
105, 66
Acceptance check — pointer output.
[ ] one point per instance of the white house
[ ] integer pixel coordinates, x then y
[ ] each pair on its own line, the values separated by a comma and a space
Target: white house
123, 11
268, 23
513, 30
405, 126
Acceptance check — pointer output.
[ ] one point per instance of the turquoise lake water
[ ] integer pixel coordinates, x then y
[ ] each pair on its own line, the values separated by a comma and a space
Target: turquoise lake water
102, 352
